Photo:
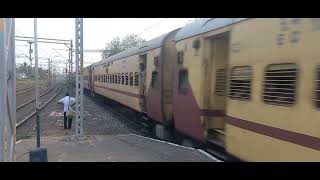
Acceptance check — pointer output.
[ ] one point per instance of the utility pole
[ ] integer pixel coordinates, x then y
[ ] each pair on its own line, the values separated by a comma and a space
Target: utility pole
7, 90
30, 52
66, 74
79, 78
37, 78
39, 154
49, 72
70, 59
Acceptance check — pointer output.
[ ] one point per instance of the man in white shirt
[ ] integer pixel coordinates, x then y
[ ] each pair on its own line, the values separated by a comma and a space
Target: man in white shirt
68, 102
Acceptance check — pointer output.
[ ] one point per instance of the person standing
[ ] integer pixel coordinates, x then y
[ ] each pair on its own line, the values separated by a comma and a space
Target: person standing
67, 102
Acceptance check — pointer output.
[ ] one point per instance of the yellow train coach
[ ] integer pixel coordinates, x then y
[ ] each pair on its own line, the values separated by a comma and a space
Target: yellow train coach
249, 85
252, 85
139, 78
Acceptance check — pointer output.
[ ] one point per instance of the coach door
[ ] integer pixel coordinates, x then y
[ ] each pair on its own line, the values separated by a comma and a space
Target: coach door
91, 79
142, 80
217, 76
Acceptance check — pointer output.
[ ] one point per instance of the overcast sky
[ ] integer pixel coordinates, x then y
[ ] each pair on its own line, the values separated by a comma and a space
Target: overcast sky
97, 32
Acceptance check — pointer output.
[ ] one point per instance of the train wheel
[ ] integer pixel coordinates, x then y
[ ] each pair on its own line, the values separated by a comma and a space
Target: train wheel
187, 143
162, 132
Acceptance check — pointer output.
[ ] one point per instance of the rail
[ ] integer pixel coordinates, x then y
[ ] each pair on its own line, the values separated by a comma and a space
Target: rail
34, 112
31, 100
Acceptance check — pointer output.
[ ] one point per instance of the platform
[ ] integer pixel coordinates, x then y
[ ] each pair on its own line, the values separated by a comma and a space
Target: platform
111, 148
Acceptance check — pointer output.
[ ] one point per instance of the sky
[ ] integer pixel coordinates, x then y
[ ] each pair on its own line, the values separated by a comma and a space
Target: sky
97, 33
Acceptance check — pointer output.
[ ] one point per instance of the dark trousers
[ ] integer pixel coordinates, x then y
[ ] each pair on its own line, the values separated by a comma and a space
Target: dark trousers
67, 120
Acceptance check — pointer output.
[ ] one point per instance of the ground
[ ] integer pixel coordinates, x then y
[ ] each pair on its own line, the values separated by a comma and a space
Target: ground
98, 120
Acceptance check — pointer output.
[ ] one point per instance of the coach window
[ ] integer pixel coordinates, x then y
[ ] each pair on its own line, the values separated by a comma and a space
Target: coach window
127, 79
240, 83
122, 78
131, 79
154, 79
136, 78
220, 86
317, 90
280, 84
119, 78
183, 80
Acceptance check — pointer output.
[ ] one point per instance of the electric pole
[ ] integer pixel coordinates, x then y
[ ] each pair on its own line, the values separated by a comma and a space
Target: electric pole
30, 52
37, 78
49, 72
38, 154
79, 78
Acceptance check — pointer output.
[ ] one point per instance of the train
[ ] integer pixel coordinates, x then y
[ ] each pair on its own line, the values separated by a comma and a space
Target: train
248, 85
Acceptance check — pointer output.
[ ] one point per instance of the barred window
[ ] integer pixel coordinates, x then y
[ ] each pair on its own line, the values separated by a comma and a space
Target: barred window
116, 79
136, 78
280, 84
127, 79
119, 78
154, 79
183, 80
180, 57
240, 83
220, 82
131, 79
122, 82
317, 91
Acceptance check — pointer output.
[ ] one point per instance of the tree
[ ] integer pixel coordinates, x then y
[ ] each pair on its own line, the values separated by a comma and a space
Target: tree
117, 45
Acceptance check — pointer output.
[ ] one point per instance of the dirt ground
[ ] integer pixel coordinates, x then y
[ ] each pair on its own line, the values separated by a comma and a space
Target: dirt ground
98, 120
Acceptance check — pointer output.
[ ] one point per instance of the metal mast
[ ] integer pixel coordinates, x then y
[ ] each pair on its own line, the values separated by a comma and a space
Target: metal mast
36, 79
79, 78
7, 90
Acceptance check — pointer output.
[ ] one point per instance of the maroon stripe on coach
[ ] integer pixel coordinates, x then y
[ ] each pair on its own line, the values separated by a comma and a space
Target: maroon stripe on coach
285, 135
210, 112
121, 92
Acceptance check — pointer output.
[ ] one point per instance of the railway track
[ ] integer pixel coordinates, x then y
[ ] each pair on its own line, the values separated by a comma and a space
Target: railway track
25, 90
28, 88
213, 149
25, 105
